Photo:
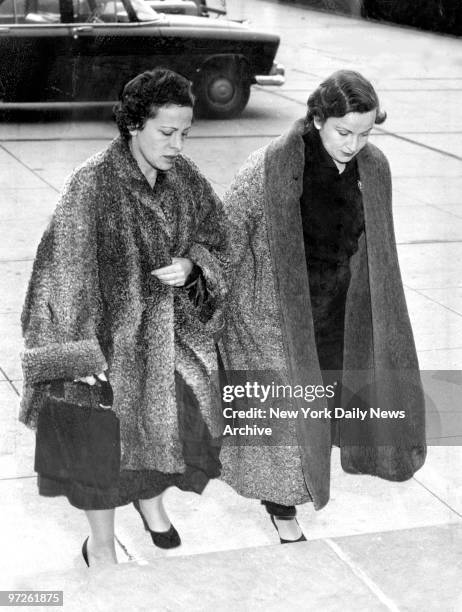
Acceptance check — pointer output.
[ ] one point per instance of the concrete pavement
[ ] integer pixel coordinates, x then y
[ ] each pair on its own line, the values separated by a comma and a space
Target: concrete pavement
377, 545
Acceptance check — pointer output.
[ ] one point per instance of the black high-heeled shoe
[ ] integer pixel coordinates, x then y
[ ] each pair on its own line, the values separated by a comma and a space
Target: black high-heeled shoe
162, 539
85, 552
287, 518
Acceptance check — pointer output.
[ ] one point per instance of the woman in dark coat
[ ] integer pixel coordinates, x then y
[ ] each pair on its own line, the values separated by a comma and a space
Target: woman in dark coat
317, 300
128, 287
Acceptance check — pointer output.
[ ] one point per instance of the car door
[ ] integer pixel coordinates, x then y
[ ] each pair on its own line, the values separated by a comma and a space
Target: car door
110, 48
35, 49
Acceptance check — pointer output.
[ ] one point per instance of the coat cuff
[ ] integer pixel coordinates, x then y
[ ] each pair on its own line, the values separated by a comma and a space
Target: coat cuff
210, 268
67, 360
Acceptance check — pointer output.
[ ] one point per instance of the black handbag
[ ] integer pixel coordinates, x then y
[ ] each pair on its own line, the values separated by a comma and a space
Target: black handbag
77, 439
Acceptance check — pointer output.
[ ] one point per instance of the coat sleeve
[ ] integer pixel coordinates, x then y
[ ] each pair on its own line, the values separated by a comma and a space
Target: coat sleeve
62, 309
243, 205
209, 249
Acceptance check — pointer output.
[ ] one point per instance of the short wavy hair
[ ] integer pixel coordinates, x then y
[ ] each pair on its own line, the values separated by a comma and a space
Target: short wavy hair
345, 91
143, 96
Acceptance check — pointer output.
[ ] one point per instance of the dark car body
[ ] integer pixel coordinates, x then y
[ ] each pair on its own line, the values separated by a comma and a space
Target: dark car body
83, 51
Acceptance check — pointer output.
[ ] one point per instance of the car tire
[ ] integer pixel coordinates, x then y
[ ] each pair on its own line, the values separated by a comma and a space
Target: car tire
222, 92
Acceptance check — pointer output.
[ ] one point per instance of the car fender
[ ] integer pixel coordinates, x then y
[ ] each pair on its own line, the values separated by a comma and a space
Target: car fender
239, 60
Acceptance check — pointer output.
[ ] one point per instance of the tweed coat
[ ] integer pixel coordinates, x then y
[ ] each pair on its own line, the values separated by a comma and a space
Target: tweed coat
93, 305
270, 327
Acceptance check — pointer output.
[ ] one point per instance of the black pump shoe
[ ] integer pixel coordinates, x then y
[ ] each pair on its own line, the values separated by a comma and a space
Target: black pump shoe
286, 518
85, 552
162, 539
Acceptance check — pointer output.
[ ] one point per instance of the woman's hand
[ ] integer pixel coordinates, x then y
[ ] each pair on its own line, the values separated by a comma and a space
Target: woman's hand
176, 273
91, 380
106, 396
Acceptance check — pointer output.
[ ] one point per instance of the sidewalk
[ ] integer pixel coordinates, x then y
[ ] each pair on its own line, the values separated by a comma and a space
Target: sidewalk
377, 545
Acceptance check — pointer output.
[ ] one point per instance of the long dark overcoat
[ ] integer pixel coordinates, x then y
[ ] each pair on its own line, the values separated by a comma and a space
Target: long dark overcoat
270, 327
92, 303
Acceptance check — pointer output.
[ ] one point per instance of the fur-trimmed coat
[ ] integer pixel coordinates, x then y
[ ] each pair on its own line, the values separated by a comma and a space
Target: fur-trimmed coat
270, 327
93, 305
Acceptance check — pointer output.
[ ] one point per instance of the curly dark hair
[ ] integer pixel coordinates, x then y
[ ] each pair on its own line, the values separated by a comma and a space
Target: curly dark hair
142, 97
343, 92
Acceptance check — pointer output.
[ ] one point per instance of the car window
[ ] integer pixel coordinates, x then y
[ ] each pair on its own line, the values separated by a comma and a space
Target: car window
143, 11
110, 11
7, 12
11, 12
79, 11
29, 11
99, 11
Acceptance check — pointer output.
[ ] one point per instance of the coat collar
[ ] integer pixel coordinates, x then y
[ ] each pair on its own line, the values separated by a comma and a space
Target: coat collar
125, 166
288, 151
285, 156
283, 184
158, 198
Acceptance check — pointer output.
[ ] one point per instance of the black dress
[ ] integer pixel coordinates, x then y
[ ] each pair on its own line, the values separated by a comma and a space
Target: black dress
200, 453
333, 220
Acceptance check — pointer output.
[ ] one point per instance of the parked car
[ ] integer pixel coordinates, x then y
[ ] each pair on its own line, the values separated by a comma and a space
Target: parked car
81, 52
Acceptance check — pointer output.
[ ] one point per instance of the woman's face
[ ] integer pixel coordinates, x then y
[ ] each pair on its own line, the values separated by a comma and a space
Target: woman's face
343, 137
156, 145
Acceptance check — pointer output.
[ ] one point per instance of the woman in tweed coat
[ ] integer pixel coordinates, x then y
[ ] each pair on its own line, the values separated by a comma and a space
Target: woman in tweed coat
128, 281
316, 301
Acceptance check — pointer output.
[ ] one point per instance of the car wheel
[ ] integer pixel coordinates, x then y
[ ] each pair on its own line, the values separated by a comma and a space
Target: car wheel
221, 92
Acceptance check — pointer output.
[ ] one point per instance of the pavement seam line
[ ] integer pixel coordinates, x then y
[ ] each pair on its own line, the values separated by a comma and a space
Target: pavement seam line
419, 78
24, 165
419, 144
430, 299
382, 90
361, 574
6, 261
437, 497
382, 131
110, 138
438, 207
450, 348
57, 139
433, 241
8, 380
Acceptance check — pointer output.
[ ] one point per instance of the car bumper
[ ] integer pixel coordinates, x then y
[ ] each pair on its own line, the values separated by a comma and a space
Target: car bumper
275, 77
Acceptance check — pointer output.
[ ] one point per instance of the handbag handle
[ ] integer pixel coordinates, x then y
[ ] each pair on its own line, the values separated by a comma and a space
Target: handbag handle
94, 392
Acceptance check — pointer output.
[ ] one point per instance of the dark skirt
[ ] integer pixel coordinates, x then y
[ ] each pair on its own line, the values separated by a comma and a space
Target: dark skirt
328, 292
329, 285
200, 453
